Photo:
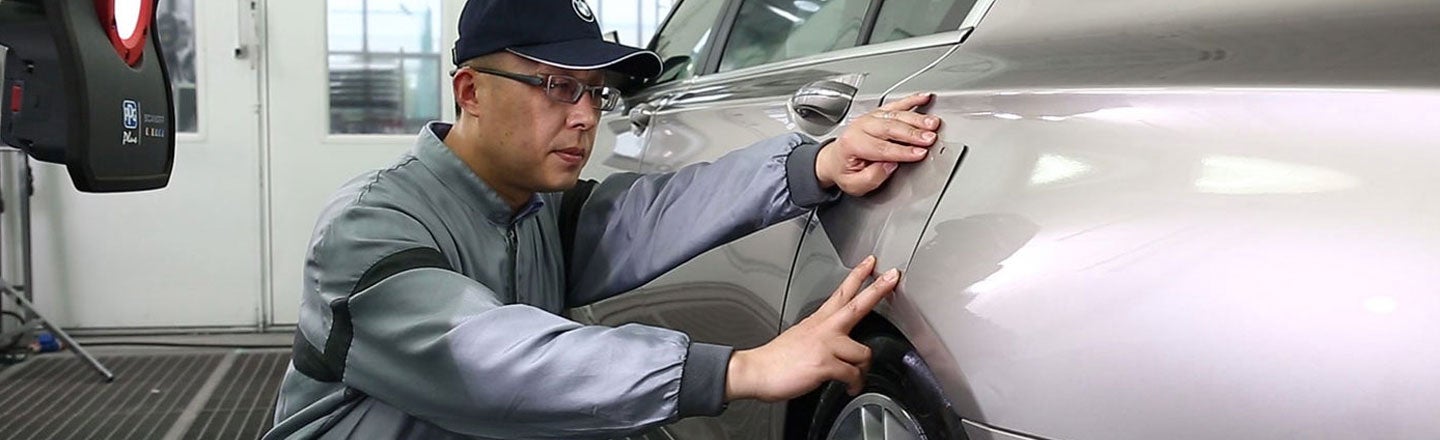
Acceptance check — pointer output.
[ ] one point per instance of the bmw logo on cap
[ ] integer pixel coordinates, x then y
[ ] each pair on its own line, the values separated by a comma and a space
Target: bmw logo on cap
583, 10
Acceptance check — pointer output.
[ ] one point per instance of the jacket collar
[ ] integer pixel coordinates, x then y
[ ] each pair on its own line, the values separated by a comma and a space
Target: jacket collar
456, 176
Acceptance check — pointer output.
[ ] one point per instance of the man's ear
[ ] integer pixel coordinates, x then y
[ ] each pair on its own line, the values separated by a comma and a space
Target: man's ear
465, 87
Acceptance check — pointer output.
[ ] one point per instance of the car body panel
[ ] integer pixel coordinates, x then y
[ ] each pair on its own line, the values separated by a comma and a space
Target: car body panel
734, 294
1209, 221
886, 224
1199, 220
976, 431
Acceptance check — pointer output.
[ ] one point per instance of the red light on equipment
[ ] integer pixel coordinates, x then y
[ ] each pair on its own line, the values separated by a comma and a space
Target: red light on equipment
126, 22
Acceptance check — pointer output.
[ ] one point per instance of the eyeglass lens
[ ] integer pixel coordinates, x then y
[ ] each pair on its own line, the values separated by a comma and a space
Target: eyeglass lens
568, 90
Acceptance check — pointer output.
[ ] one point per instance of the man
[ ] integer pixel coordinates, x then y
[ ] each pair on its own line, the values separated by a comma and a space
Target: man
432, 287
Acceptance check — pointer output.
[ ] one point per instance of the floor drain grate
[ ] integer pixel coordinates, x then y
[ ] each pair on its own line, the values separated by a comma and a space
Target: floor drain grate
244, 404
59, 397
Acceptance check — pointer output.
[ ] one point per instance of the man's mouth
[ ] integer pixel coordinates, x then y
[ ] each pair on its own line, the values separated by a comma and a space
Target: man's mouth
571, 155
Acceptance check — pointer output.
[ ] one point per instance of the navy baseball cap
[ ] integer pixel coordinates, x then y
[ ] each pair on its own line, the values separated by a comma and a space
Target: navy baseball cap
561, 33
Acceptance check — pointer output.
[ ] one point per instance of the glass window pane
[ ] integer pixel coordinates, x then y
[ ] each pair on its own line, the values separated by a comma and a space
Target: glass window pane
685, 36
175, 26
346, 26
776, 30
901, 19
384, 65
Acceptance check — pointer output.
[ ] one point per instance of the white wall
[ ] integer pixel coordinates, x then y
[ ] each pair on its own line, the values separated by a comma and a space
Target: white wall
191, 255
186, 255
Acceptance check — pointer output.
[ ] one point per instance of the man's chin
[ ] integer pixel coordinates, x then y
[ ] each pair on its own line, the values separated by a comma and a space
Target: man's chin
562, 183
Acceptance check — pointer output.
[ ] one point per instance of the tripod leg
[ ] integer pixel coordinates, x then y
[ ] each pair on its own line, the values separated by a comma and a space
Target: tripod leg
70, 343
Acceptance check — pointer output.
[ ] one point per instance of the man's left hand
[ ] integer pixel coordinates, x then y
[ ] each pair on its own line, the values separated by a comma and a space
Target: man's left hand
874, 145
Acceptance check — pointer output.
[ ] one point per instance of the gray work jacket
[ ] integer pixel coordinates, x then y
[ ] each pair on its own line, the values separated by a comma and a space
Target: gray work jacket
430, 310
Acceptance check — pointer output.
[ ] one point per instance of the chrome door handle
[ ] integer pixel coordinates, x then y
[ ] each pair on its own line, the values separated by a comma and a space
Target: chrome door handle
820, 106
640, 117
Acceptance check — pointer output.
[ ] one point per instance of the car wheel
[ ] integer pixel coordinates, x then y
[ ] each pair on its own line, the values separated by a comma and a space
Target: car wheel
896, 404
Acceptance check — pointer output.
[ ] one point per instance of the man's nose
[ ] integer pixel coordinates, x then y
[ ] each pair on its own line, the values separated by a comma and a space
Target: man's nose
583, 113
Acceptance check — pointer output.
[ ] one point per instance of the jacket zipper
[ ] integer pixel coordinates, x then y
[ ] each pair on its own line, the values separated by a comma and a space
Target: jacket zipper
510, 242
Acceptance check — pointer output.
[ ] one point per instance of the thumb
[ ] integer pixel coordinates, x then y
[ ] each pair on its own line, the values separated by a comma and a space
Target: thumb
871, 177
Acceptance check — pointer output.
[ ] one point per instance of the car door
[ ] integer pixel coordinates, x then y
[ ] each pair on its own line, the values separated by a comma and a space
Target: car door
889, 224
784, 66
1176, 224
1170, 223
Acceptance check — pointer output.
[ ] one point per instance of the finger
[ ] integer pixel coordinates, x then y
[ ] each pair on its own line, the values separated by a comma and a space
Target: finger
850, 375
850, 351
894, 142
847, 316
908, 102
848, 287
911, 118
868, 179
900, 131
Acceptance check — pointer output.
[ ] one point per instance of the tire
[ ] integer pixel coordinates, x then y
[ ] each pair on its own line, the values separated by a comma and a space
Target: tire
905, 393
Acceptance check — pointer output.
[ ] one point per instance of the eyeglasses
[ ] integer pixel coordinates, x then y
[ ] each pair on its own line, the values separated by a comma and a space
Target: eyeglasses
563, 88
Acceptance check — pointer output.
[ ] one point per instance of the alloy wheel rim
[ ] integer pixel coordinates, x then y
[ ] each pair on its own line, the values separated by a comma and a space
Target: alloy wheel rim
875, 416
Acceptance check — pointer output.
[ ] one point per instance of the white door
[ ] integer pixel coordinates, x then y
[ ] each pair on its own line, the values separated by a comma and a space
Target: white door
348, 85
187, 255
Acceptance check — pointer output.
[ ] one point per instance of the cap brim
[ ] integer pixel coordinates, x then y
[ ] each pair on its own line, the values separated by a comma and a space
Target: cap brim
594, 55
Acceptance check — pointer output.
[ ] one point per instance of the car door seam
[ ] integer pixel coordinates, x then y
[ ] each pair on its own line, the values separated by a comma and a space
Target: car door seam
920, 238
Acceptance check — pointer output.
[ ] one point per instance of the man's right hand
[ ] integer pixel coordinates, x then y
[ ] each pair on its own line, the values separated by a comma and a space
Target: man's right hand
817, 349
870, 149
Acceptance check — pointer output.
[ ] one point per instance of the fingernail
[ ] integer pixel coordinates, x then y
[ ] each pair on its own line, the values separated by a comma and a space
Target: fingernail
918, 151
890, 166
870, 259
932, 121
892, 274
929, 136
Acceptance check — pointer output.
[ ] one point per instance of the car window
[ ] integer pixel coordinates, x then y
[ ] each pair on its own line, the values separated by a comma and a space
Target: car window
901, 19
685, 36
767, 31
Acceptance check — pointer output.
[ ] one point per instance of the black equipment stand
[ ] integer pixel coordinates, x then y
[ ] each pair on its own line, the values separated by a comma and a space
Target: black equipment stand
33, 319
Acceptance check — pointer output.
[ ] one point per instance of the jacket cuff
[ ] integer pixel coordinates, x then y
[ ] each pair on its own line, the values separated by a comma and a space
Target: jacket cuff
702, 380
805, 190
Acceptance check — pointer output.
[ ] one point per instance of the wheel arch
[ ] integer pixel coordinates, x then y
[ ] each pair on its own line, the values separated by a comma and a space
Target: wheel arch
800, 413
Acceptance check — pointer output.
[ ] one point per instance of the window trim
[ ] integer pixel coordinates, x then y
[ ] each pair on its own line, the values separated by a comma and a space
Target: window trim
650, 46
871, 16
709, 74
966, 18
717, 49
947, 38
977, 14
720, 29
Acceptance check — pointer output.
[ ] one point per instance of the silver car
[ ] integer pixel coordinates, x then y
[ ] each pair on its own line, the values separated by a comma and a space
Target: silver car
1146, 219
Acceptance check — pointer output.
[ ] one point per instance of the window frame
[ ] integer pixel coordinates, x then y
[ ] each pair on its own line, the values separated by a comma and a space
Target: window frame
863, 39
964, 18
365, 53
716, 53
726, 23
720, 30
